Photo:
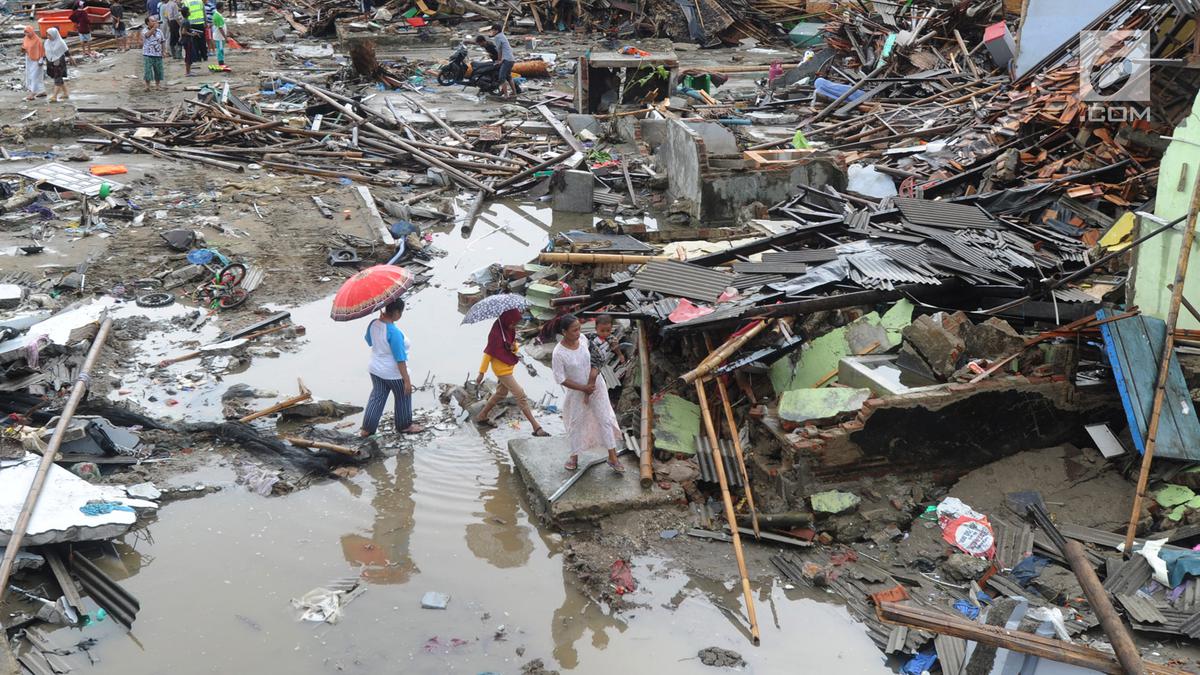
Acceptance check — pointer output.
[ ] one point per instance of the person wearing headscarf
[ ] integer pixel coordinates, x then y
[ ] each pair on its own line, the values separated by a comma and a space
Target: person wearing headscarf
501, 354
57, 57
35, 63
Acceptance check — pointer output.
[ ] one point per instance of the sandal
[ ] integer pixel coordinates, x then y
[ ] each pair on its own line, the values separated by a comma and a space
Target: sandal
572, 463
412, 429
541, 433
617, 467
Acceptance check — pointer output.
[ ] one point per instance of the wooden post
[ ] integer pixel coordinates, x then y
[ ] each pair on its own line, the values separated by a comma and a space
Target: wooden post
729, 514
646, 467
1122, 642
737, 444
1164, 366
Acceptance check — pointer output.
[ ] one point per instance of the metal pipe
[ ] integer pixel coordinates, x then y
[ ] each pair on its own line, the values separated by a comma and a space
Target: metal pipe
39, 479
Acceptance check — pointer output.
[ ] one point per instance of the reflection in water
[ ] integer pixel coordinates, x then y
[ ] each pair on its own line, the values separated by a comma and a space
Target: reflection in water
499, 538
577, 614
385, 557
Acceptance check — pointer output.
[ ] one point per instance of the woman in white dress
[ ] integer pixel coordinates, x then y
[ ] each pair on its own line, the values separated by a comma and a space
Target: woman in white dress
587, 412
35, 63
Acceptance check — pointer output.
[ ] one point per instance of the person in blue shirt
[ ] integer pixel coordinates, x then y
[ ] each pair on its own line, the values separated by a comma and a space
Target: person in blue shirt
389, 372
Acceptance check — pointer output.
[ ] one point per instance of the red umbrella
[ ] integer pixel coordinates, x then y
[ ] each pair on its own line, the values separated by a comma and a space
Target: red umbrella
369, 290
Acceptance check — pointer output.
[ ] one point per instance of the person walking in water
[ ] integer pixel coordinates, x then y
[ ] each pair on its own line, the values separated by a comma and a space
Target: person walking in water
501, 354
587, 413
389, 372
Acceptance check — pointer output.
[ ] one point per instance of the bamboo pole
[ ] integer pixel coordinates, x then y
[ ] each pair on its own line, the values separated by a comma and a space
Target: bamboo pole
737, 445
320, 445
48, 457
716, 358
597, 258
730, 517
303, 396
1164, 366
646, 467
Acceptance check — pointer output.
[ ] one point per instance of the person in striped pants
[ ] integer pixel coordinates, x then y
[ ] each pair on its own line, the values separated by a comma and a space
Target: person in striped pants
389, 372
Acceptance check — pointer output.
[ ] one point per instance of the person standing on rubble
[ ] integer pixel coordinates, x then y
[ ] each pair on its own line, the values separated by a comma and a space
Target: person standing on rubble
83, 25
220, 32
191, 39
152, 53
169, 10
389, 372
507, 60
193, 16
35, 63
501, 354
590, 420
57, 56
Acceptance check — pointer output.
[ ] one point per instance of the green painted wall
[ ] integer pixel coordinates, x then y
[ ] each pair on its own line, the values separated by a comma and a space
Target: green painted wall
1154, 261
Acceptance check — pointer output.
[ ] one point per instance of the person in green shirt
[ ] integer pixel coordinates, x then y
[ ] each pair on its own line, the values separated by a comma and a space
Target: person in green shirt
220, 33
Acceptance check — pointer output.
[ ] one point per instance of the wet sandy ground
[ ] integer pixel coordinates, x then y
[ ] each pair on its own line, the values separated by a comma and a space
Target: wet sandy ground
216, 575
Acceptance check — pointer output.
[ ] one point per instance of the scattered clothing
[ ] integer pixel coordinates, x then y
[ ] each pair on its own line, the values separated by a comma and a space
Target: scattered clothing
103, 508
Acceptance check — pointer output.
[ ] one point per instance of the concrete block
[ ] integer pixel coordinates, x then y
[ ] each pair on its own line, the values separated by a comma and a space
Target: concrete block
10, 295
573, 191
578, 122
992, 339
654, 132
600, 492
936, 345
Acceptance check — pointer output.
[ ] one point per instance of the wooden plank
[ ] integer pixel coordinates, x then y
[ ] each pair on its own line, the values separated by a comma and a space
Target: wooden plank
375, 222
65, 580
565, 134
1130, 344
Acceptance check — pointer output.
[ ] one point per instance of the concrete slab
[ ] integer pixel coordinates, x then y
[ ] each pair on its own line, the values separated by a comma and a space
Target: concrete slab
598, 493
57, 517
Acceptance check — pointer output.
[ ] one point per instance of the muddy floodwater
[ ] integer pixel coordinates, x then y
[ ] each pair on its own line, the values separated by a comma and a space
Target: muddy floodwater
215, 575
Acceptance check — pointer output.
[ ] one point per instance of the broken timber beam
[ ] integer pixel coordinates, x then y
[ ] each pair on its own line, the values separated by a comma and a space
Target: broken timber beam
375, 222
997, 636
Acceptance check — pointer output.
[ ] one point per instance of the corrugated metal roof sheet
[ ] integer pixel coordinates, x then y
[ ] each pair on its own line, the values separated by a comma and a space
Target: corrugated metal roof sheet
1128, 576
952, 654
943, 214
1141, 608
810, 255
682, 280
772, 267
744, 281
876, 265
1013, 542
708, 469
1191, 627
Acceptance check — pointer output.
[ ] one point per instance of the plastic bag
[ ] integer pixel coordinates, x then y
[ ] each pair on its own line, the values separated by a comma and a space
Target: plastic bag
965, 528
1054, 616
865, 180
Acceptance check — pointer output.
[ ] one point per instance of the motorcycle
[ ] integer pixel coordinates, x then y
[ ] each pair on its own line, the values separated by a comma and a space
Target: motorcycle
482, 74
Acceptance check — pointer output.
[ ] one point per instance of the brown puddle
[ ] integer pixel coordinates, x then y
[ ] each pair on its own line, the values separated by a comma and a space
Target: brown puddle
216, 575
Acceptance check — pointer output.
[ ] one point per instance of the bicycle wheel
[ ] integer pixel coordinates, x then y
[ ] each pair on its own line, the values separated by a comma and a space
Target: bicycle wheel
235, 297
232, 274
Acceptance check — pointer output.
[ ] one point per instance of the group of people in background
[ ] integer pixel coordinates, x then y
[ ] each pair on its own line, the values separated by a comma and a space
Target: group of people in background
182, 29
